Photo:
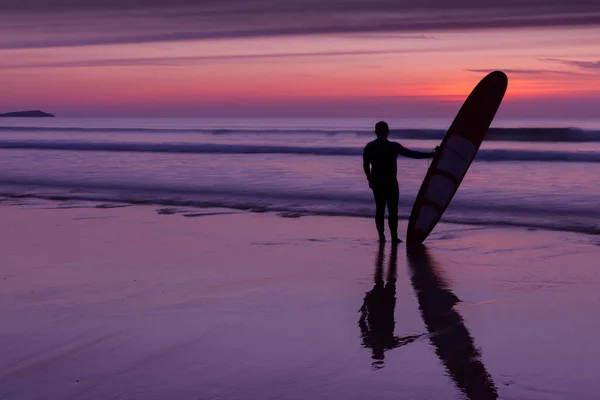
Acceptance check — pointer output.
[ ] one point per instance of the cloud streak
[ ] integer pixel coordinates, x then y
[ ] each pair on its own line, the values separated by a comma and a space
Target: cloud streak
525, 72
585, 65
181, 61
38, 24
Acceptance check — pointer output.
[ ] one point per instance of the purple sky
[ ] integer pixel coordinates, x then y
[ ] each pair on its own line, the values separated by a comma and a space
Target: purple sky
294, 58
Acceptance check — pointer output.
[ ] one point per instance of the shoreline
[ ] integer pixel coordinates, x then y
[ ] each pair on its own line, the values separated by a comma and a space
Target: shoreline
190, 207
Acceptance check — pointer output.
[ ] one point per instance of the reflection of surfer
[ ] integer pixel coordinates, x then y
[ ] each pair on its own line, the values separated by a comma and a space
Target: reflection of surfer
377, 313
448, 334
379, 164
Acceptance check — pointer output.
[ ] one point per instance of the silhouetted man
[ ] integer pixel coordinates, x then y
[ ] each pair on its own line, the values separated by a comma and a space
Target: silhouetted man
379, 163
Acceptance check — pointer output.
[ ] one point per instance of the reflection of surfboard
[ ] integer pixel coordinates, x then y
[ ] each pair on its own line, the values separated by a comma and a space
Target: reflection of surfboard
457, 151
448, 333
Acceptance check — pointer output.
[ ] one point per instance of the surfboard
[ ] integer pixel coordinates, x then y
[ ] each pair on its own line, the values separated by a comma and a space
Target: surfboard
456, 153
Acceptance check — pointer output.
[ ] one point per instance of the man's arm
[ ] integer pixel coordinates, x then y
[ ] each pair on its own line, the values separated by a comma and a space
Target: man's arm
367, 164
403, 151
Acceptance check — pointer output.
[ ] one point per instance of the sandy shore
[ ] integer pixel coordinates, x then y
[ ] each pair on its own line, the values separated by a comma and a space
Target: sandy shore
127, 303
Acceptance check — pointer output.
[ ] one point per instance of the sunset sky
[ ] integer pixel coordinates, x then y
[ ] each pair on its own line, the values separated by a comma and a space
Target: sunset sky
212, 58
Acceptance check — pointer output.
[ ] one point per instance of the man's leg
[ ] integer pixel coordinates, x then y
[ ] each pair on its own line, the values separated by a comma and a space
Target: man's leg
392, 195
380, 197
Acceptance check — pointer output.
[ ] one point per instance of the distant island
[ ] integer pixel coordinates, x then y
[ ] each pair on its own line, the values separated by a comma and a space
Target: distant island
27, 114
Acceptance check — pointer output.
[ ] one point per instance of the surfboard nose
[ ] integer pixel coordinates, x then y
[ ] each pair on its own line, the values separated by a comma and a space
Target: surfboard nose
500, 76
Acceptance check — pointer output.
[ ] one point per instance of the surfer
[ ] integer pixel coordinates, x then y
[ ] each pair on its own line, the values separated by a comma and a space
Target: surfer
379, 164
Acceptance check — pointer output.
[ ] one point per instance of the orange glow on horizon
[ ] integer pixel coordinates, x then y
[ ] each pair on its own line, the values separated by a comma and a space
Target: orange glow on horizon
335, 70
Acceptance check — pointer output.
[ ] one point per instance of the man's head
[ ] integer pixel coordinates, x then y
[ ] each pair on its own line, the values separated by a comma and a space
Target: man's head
382, 129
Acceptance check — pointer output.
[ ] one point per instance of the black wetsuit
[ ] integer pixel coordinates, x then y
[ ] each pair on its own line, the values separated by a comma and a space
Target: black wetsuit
379, 163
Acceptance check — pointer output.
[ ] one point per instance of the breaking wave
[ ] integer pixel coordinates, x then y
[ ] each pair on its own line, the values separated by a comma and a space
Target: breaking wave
198, 148
497, 134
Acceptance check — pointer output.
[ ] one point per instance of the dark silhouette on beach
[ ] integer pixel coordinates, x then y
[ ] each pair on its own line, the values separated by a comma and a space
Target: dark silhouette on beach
377, 312
447, 331
380, 165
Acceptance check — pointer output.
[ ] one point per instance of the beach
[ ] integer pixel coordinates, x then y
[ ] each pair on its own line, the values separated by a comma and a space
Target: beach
118, 301
189, 189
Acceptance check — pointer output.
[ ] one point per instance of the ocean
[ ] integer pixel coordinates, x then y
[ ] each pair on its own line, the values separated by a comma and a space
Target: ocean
536, 174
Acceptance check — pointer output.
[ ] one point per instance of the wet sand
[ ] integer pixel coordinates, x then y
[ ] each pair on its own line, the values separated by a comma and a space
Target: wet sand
139, 303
